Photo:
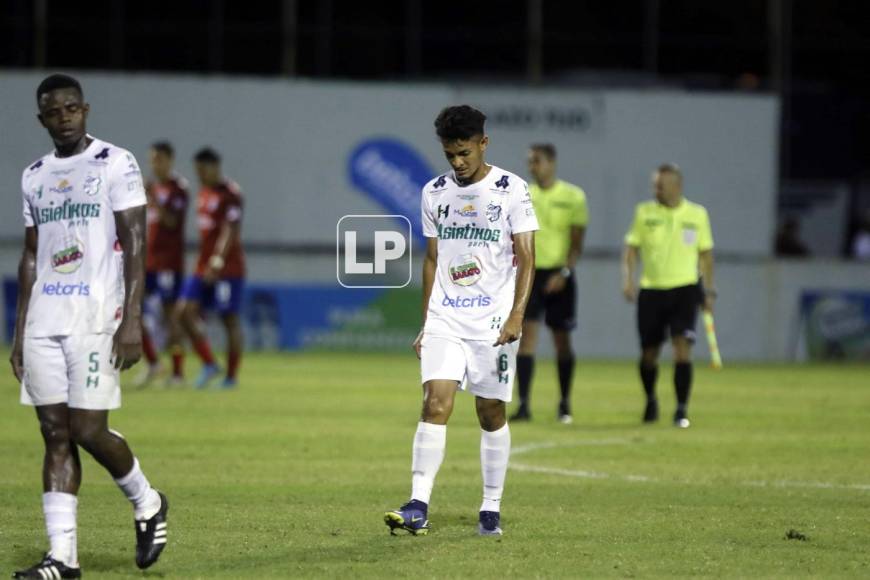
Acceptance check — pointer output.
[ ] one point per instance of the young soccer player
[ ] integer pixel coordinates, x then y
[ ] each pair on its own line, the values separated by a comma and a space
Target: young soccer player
477, 276
218, 281
671, 236
561, 210
79, 319
167, 195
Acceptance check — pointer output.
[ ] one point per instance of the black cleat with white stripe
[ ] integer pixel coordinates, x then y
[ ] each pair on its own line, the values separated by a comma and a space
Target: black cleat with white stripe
49, 569
151, 535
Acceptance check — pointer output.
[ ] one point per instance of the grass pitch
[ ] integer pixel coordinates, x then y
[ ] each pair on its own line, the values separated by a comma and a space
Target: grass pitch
289, 476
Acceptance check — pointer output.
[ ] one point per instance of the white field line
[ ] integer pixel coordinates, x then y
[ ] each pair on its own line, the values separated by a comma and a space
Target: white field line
585, 474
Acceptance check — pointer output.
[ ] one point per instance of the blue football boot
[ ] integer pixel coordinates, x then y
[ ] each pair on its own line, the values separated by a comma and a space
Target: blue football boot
411, 517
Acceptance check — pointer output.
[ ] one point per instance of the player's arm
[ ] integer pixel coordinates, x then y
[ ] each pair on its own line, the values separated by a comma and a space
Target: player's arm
229, 234
705, 262
524, 250
127, 344
430, 264
26, 279
559, 279
630, 258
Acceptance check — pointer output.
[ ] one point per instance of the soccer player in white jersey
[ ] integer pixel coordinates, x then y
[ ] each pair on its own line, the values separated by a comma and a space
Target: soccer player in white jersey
477, 276
78, 321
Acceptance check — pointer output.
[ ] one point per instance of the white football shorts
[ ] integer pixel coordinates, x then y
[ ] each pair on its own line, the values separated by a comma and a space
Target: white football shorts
483, 370
75, 370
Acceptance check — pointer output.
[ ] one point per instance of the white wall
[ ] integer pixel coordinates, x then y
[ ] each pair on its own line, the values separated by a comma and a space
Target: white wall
287, 144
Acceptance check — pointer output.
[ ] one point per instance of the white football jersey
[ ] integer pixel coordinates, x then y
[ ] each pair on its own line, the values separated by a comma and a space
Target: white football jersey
71, 201
473, 292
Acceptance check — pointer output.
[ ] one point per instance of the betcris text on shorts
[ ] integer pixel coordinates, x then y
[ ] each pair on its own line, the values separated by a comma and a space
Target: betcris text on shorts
60, 289
467, 301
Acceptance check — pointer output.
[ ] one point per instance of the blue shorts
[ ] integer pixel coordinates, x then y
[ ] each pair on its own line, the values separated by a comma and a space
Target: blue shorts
166, 284
224, 296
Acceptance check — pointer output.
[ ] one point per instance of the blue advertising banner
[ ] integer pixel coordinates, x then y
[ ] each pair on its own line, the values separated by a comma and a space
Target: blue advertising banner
392, 173
835, 324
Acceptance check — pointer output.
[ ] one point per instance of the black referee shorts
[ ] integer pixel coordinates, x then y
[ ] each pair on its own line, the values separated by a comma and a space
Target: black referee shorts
559, 308
674, 310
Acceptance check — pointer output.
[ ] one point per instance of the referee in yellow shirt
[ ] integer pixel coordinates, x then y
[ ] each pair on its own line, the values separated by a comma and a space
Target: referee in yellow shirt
671, 237
562, 215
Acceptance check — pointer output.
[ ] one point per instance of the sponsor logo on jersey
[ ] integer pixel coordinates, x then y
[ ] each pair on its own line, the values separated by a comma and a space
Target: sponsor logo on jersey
104, 154
468, 232
440, 182
465, 270
37, 192
68, 255
503, 182
92, 184
466, 302
443, 212
466, 211
59, 289
68, 211
63, 186
36, 165
62, 171
493, 212
468, 196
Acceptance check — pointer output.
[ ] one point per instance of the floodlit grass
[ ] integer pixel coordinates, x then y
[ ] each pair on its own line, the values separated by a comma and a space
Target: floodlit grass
289, 475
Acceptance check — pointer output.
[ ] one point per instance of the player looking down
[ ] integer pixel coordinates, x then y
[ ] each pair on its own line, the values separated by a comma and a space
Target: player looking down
477, 275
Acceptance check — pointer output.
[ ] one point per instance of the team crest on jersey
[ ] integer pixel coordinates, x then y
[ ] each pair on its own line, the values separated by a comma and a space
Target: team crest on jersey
63, 186
92, 184
467, 211
68, 255
465, 270
440, 182
493, 212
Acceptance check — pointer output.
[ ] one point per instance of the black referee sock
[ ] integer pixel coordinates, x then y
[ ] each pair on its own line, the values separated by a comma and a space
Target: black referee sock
525, 368
565, 367
683, 383
648, 376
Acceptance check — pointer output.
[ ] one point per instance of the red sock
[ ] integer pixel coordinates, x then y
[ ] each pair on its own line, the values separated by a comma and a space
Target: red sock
148, 348
177, 361
203, 349
234, 359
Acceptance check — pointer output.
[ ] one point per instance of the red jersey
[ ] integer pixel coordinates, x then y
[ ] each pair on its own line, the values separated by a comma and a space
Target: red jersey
166, 242
217, 206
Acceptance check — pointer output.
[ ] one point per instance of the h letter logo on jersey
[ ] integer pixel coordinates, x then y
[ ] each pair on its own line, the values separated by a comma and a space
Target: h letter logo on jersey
373, 251
443, 212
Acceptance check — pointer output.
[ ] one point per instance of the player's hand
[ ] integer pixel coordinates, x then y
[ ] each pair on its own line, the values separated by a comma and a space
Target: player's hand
16, 359
510, 330
555, 283
709, 300
127, 344
629, 291
417, 345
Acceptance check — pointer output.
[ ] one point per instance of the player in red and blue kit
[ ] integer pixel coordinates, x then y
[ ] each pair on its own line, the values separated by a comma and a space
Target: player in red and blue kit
168, 199
218, 280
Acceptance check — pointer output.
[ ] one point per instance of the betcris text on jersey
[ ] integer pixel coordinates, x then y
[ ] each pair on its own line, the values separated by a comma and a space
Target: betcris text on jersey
466, 302
59, 289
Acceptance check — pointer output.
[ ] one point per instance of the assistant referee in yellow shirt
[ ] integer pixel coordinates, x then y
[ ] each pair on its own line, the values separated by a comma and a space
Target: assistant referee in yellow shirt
562, 215
671, 237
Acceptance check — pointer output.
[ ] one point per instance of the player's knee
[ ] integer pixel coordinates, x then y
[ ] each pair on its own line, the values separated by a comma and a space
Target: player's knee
55, 435
435, 408
86, 435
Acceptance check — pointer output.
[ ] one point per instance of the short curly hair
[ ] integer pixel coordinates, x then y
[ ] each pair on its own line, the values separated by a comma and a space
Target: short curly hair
459, 122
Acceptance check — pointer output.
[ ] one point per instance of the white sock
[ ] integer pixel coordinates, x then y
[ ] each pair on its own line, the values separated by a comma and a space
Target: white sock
495, 449
60, 523
429, 444
145, 500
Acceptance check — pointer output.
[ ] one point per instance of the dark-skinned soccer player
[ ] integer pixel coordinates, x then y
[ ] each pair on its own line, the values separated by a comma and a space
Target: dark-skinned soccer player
79, 320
